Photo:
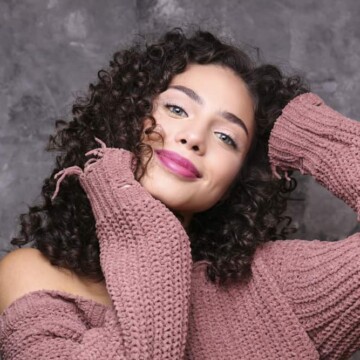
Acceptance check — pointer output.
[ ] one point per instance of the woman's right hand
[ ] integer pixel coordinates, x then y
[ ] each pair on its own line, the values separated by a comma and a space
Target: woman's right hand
117, 165
111, 170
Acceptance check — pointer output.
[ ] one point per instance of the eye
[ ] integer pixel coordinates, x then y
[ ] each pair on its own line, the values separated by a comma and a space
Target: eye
177, 110
228, 139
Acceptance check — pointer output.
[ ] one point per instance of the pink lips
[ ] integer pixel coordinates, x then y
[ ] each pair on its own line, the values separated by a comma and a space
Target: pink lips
178, 164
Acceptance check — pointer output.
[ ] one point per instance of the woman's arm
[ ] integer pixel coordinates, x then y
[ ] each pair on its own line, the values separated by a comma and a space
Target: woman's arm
145, 256
146, 260
317, 140
321, 279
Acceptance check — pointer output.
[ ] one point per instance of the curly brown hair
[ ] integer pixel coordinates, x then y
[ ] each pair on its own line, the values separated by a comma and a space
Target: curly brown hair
114, 110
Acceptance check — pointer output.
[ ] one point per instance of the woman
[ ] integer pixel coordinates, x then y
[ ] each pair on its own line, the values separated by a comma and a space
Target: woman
169, 227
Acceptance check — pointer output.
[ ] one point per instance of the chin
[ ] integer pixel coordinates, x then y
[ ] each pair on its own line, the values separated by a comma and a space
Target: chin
173, 199
180, 208
173, 204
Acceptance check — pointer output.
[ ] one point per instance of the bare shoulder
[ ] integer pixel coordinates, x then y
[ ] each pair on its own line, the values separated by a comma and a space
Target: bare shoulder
25, 270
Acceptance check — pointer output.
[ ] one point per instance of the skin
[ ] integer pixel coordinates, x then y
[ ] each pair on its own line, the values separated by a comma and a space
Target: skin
198, 133
192, 131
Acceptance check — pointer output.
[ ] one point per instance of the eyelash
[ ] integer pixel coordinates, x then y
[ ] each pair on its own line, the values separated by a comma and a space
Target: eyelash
232, 142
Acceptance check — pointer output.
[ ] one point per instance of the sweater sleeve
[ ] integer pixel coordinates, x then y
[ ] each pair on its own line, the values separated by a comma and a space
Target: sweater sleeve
321, 279
145, 257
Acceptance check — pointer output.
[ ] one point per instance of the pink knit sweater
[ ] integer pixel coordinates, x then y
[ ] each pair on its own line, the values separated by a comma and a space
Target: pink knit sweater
303, 301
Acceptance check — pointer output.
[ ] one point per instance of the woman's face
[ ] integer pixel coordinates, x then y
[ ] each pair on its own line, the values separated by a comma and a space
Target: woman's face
207, 117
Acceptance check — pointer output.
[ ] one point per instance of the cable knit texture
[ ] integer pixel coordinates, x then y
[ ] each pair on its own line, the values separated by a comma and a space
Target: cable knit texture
303, 301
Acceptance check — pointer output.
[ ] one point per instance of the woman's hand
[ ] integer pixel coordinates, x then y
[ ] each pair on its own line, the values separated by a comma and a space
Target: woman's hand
105, 176
116, 165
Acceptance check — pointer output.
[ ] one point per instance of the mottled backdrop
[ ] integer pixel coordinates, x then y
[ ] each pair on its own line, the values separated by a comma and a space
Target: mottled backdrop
51, 50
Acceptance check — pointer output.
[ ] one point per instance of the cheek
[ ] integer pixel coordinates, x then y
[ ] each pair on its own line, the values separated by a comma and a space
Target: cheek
223, 173
228, 178
225, 168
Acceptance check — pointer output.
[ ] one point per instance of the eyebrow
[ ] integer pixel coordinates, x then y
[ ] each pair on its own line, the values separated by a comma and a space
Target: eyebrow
198, 99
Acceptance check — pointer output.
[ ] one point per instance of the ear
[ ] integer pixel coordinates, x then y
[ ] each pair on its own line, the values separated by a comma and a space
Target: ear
144, 133
146, 124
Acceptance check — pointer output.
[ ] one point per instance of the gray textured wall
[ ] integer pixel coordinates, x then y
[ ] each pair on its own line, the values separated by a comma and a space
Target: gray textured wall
50, 50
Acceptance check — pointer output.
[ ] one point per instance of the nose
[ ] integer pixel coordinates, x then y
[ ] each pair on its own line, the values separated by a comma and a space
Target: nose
194, 147
193, 139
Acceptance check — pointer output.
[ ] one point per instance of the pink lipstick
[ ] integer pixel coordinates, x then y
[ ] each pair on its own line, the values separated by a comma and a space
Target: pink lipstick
177, 164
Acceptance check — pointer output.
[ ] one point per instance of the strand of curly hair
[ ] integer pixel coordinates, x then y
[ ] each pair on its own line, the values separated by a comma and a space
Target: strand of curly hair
114, 108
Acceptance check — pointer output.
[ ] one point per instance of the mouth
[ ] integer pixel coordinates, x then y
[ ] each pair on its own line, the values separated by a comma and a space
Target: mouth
178, 164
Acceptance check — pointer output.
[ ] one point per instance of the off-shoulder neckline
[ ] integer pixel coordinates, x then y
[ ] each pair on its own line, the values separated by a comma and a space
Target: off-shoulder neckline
72, 296
61, 293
